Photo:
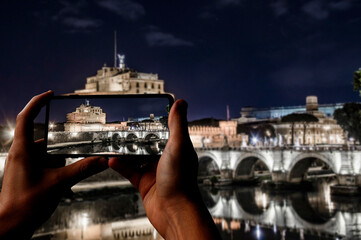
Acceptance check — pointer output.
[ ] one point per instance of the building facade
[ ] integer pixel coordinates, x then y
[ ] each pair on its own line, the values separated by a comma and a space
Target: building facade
121, 80
264, 128
252, 114
217, 134
324, 131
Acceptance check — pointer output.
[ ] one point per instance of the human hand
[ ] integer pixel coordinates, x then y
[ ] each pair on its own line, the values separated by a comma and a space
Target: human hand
32, 187
169, 189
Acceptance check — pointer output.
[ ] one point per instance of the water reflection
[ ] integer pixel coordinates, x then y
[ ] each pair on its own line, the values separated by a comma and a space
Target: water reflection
239, 213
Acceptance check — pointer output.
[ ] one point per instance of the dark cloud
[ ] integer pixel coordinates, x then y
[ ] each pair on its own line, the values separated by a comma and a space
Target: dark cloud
279, 7
320, 9
158, 38
340, 4
81, 23
316, 9
127, 9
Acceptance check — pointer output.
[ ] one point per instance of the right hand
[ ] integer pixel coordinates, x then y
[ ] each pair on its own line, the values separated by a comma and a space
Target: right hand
169, 187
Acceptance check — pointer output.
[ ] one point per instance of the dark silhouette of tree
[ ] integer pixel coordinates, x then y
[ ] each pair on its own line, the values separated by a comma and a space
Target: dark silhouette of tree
349, 118
303, 118
357, 81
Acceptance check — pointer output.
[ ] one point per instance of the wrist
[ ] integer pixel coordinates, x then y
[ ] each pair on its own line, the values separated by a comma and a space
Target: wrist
188, 218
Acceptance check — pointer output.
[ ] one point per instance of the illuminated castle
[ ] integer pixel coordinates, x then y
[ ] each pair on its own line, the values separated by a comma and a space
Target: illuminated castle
85, 118
86, 114
122, 80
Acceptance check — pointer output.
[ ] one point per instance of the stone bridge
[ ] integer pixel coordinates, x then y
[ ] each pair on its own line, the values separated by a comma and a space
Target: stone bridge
284, 164
123, 135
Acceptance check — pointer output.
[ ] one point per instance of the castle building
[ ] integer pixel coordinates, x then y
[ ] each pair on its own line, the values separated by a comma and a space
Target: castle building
122, 80
88, 118
85, 118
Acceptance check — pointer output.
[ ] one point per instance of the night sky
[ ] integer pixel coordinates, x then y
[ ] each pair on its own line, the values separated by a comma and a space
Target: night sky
212, 53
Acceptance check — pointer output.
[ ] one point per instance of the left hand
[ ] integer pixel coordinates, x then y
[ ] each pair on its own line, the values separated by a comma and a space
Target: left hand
31, 190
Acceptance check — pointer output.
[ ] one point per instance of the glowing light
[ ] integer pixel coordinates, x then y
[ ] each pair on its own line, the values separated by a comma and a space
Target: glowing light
11, 133
254, 140
275, 228
258, 232
74, 134
264, 200
50, 135
51, 125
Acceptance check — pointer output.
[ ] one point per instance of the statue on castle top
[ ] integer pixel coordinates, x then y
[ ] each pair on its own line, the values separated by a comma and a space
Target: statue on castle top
121, 60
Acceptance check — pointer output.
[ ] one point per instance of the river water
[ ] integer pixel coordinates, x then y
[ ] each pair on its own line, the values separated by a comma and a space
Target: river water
239, 212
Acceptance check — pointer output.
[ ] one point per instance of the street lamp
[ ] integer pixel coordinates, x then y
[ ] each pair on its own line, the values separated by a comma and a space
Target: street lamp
254, 140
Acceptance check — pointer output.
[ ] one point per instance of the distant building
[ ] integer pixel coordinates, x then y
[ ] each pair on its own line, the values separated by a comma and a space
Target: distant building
250, 114
325, 131
264, 127
215, 133
122, 80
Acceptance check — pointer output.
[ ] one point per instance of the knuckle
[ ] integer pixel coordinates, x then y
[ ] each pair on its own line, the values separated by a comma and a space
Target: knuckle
20, 116
13, 155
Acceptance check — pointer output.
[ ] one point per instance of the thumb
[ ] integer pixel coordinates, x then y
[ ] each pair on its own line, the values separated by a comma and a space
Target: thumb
74, 173
177, 122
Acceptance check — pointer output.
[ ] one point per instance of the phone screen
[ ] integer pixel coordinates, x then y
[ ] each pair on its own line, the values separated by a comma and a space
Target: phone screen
133, 125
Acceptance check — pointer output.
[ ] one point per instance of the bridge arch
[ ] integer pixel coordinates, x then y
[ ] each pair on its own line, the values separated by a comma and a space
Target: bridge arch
131, 137
244, 166
302, 162
116, 137
208, 165
152, 137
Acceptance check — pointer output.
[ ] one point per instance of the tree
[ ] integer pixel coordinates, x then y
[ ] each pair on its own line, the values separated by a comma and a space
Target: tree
304, 118
357, 81
349, 118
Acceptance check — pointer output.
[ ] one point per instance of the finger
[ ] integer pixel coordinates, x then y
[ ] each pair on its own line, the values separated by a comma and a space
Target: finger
74, 173
141, 176
178, 124
47, 161
24, 122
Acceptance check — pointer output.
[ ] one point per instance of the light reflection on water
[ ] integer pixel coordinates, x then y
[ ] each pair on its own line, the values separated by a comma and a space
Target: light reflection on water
239, 213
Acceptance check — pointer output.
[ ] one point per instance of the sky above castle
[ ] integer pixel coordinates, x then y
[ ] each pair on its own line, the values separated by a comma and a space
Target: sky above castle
212, 53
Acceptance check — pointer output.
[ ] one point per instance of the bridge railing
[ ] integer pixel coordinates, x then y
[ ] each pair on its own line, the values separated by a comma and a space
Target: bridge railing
306, 148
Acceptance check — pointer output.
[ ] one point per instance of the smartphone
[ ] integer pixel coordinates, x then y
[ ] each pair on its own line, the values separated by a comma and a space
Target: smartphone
108, 125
